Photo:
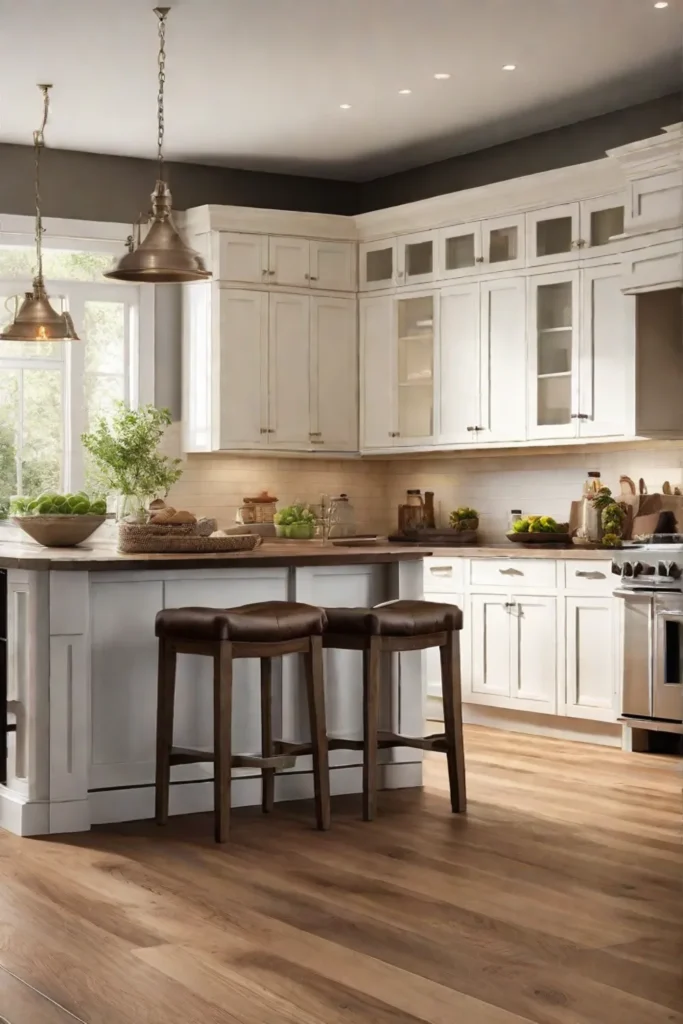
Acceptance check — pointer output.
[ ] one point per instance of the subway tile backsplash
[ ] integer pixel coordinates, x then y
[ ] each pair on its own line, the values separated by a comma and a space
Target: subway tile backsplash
542, 481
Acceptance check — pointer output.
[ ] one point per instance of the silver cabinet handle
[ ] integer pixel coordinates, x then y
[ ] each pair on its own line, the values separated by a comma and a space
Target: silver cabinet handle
441, 570
264, 430
509, 604
312, 278
315, 433
580, 416
272, 273
264, 271
271, 430
593, 575
511, 572
317, 441
479, 259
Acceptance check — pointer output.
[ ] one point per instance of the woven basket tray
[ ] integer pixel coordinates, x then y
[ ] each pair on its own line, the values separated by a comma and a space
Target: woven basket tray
141, 540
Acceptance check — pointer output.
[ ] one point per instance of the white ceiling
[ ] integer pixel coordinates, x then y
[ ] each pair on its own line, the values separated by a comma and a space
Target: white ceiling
258, 83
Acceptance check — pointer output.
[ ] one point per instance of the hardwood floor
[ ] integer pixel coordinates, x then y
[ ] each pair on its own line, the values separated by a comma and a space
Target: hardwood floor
557, 900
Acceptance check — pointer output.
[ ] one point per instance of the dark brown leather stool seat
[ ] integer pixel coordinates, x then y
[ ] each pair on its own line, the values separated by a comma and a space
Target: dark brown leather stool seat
266, 630
393, 628
400, 618
263, 622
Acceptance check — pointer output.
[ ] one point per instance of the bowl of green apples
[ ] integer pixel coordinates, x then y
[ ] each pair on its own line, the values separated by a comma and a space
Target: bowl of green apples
543, 531
58, 520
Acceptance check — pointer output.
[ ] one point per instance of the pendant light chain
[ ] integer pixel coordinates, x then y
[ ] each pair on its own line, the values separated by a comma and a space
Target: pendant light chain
161, 13
38, 144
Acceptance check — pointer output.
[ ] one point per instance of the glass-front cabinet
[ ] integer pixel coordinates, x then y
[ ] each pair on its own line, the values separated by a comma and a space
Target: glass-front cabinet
460, 250
553, 355
378, 264
590, 228
416, 263
415, 369
503, 242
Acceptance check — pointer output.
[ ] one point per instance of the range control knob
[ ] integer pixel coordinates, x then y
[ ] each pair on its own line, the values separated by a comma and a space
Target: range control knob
617, 569
643, 570
668, 569
627, 569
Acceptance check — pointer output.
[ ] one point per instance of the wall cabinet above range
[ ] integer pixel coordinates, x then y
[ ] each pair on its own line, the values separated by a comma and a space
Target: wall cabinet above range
289, 261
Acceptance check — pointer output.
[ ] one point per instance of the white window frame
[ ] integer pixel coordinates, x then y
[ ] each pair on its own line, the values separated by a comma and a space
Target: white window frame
85, 236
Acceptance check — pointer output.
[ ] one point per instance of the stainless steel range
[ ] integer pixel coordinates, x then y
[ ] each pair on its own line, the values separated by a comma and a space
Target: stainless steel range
651, 584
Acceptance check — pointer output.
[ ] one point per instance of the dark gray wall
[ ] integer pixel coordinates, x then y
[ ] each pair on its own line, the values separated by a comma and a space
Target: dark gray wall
88, 186
573, 144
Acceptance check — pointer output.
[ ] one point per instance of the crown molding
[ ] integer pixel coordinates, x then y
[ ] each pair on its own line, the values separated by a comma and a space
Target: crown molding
202, 219
657, 155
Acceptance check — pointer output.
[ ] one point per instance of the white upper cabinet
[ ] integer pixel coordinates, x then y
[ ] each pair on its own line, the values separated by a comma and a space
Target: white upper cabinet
289, 371
553, 355
241, 388
377, 264
606, 346
288, 261
378, 371
553, 234
502, 361
460, 251
504, 243
333, 266
334, 374
416, 258
602, 222
242, 257
459, 342
655, 202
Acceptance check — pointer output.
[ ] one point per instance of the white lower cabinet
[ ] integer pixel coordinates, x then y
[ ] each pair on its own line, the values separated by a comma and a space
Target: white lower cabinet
514, 651
546, 644
590, 627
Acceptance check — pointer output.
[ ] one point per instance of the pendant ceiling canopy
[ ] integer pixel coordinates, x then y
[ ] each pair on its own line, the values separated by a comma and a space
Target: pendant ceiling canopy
34, 317
161, 256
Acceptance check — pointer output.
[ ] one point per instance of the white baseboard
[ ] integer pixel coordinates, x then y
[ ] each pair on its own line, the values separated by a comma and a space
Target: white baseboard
20, 816
559, 727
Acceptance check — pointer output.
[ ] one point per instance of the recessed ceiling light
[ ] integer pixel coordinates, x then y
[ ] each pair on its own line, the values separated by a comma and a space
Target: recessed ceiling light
661, 4
404, 92
442, 74
509, 67
344, 106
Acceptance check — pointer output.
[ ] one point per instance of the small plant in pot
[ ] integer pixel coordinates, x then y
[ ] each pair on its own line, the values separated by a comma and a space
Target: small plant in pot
463, 519
126, 458
296, 522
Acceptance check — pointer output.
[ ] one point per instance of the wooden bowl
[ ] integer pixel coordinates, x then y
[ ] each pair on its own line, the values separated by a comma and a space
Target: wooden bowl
556, 540
59, 531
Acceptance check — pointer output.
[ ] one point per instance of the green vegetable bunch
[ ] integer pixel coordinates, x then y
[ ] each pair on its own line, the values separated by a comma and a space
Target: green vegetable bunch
293, 514
126, 456
538, 524
51, 504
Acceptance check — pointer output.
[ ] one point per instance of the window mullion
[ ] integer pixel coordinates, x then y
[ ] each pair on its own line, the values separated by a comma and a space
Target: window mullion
74, 399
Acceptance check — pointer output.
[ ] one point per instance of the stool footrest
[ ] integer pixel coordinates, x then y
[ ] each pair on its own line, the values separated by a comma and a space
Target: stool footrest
385, 741
184, 755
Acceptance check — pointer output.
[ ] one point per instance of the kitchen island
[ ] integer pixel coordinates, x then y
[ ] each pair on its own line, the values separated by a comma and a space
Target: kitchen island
82, 664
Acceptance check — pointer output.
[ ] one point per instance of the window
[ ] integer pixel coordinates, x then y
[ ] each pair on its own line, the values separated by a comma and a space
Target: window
50, 393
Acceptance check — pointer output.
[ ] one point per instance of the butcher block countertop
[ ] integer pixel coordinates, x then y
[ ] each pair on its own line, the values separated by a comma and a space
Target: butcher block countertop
103, 556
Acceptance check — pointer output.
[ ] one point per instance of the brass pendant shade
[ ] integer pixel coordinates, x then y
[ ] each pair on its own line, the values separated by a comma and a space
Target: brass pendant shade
36, 320
161, 256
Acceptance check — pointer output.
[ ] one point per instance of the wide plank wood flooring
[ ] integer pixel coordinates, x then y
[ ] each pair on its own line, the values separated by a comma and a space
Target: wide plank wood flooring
557, 900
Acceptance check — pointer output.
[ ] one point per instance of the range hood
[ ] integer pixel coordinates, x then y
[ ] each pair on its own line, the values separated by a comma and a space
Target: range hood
653, 221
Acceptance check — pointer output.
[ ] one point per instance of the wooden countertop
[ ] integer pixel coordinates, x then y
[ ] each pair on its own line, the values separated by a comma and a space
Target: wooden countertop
511, 550
103, 556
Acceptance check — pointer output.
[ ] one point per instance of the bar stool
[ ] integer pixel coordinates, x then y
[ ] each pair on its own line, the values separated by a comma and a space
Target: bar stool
265, 630
395, 627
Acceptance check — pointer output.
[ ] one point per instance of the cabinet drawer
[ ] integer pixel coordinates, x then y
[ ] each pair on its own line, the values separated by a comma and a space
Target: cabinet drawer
443, 575
589, 576
513, 572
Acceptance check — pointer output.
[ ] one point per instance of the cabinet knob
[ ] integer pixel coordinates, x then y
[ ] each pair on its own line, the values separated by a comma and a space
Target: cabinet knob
307, 277
399, 273
580, 416
312, 278
509, 604
264, 430
264, 271
479, 259
272, 273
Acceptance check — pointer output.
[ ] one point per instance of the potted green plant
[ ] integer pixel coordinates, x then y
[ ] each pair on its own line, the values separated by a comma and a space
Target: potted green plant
126, 458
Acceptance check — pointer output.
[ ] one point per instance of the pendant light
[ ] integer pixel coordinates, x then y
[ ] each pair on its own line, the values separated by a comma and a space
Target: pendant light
162, 256
35, 319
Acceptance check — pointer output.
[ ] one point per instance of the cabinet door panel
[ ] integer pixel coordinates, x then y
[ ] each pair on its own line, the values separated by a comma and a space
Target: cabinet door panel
289, 371
416, 258
289, 261
553, 355
334, 374
503, 361
606, 351
459, 376
417, 327
534, 652
432, 658
503, 242
591, 661
377, 264
241, 389
333, 266
378, 372
242, 257
601, 219
490, 644
460, 252
553, 234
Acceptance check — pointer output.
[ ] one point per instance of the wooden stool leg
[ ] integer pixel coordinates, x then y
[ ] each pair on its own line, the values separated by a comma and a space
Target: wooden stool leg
372, 661
452, 714
315, 688
222, 733
267, 774
165, 703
